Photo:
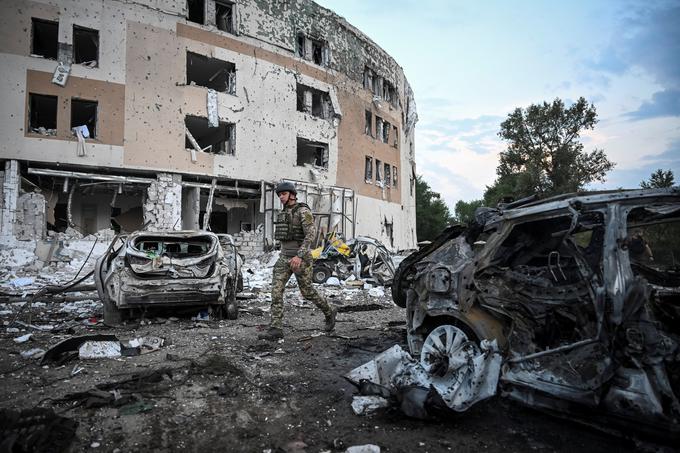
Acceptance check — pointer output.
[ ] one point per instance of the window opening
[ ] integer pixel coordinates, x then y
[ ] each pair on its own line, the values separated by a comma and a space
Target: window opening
84, 113
45, 41
42, 112
313, 153
395, 135
318, 52
211, 73
301, 45
224, 16
368, 78
378, 127
368, 169
313, 101
378, 172
394, 176
215, 140
85, 46
369, 123
196, 11
385, 137
388, 174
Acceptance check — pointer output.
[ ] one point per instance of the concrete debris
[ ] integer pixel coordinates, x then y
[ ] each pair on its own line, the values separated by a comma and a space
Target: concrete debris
23, 338
34, 353
99, 350
364, 405
367, 448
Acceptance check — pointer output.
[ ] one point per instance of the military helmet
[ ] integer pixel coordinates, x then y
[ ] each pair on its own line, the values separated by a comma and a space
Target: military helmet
285, 186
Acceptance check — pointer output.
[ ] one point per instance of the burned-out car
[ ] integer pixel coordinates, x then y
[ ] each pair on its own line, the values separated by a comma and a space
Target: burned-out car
177, 268
364, 257
580, 296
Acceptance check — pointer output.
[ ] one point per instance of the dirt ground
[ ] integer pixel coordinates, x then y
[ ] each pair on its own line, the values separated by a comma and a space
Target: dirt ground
214, 386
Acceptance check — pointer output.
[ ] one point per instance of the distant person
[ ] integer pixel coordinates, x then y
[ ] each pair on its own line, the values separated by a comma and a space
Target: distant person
294, 227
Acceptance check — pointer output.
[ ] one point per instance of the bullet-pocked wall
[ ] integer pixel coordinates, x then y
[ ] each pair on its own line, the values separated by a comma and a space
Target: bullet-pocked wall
282, 90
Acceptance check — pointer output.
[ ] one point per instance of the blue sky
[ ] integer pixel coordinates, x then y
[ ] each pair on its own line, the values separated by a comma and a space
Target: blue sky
471, 63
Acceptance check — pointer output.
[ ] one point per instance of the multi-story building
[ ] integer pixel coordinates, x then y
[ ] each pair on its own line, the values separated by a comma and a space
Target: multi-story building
183, 114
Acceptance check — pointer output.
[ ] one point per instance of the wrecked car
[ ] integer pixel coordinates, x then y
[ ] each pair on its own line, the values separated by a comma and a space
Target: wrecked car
179, 268
581, 295
365, 258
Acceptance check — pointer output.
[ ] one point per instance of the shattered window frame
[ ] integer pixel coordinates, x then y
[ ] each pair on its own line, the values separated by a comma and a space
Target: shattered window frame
34, 122
48, 50
320, 153
385, 138
224, 145
196, 11
225, 20
368, 128
395, 173
300, 45
82, 53
395, 132
85, 104
378, 170
368, 170
196, 62
313, 49
388, 175
313, 101
378, 127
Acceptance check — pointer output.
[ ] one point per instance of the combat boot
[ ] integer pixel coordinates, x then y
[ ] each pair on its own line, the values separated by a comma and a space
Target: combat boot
330, 320
272, 334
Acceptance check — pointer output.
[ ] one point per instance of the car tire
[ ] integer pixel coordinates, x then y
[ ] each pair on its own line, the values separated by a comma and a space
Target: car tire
321, 273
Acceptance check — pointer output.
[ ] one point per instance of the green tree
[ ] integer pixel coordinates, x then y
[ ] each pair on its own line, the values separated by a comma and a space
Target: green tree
432, 214
659, 179
465, 210
544, 154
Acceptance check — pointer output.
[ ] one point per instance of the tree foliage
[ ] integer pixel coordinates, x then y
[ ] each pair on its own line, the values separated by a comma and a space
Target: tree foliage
465, 210
659, 179
432, 214
544, 154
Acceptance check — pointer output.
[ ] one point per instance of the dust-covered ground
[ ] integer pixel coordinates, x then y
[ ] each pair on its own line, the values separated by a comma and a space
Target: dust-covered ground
213, 386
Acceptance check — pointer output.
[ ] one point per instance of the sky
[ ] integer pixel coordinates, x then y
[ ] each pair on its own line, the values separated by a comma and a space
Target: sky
472, 63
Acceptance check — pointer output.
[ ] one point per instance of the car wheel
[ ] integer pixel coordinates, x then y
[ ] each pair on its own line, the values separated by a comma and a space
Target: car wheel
232, 305
446, 354
320, 274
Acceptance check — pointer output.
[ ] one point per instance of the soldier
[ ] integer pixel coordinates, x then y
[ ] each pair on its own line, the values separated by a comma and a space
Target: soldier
294, 227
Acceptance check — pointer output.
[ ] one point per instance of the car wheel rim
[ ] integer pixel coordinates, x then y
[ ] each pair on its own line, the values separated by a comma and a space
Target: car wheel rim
447, 354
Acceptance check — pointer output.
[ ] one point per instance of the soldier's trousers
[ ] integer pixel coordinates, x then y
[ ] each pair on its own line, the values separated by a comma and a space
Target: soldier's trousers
280, 277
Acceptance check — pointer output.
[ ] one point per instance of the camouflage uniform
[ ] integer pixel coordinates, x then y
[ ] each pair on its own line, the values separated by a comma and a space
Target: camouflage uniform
298, 218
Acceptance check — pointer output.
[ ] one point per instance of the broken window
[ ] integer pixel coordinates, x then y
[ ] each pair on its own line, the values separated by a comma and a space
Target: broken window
368, 78
395, 135
313, 101
378, 127
84, 113
394, 176
44, 39
389, 93
85, 46
196, 11
368, 170
42, 113
201, 137
378, 172
385, 136
301, 40
224, 16
388, 175
653, 245
315, 50
314, 153
319, 52
368, 129
211, 73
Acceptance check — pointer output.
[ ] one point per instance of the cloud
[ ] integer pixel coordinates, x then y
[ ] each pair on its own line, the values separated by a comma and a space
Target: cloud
663, 103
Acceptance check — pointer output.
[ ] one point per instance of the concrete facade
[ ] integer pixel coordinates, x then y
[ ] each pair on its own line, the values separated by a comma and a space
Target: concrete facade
295, 91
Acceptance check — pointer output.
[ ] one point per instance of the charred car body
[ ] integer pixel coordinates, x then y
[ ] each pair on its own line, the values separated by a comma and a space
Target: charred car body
581, 294
364, 257
178, 268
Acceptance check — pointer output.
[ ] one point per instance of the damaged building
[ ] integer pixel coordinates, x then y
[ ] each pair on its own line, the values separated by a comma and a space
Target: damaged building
184, 114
